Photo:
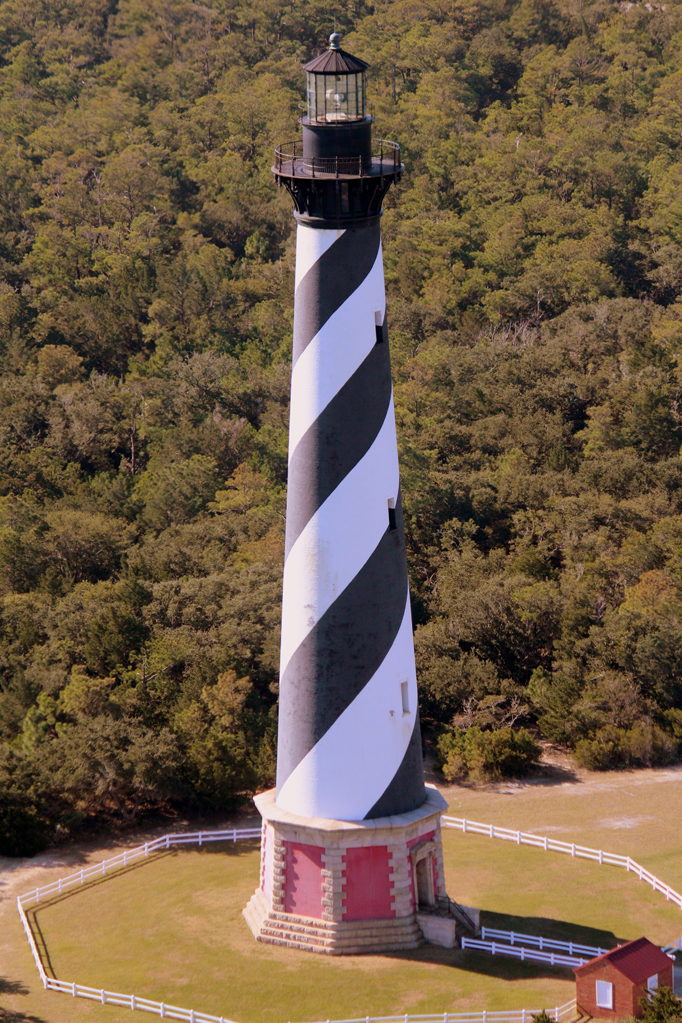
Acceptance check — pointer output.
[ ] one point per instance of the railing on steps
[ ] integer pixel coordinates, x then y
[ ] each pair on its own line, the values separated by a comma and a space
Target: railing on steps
459, 913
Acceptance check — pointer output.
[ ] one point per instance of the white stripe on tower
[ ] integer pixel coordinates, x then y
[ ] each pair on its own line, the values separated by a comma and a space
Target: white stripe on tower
338, 539
349, 745
376, 741
325, 364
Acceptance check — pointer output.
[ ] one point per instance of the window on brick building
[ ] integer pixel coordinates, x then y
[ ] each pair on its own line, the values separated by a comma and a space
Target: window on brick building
604, 994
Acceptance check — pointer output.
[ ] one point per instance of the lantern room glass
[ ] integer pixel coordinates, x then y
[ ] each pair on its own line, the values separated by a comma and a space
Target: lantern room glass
336, 97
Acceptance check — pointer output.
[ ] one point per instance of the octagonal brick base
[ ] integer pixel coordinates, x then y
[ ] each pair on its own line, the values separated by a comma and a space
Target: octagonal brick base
343, 887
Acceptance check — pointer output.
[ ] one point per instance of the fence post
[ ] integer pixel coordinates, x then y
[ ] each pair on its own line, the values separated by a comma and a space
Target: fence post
73, 989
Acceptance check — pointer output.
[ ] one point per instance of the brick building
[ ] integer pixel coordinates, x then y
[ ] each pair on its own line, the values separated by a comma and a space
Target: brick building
613, 985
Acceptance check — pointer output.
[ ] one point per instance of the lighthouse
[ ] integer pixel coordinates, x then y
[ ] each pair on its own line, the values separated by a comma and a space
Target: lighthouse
351, 852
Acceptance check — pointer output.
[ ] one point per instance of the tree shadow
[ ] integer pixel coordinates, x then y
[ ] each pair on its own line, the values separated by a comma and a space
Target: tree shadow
15, 987
550, 774
12, 987
12, 1016
224, 848
238, 848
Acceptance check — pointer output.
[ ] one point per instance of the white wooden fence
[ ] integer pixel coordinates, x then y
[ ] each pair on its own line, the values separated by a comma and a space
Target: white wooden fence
570, 948
98, 870
496, 948
130, 856
569, 848
510, 1016
32, 899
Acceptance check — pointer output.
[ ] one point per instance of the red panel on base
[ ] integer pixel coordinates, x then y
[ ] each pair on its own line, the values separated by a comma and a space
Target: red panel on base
368, 885
303, 886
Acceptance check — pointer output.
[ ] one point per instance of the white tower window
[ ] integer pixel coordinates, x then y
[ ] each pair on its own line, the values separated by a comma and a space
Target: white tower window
404, 696
392, 521
379, 326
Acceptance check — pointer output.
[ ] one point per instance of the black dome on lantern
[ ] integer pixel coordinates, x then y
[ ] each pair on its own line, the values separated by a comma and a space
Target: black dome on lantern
335, 61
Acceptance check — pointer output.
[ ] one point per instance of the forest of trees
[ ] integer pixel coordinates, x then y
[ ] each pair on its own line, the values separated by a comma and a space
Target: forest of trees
534, 268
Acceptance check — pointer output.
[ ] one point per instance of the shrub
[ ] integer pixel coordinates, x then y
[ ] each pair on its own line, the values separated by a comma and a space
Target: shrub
663, 1006
647, 745
486, 755
603, 751
643, 745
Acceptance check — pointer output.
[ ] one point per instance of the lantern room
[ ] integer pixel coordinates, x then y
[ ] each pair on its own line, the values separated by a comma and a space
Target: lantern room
336, 85
337, 133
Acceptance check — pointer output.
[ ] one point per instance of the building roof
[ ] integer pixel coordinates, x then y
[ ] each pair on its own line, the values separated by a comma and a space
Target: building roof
335, 60
637, 960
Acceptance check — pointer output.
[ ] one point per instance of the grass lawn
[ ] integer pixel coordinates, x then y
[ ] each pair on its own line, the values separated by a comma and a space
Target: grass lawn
171, 928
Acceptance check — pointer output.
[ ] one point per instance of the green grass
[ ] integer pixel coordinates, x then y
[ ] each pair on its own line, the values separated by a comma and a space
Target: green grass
171, 928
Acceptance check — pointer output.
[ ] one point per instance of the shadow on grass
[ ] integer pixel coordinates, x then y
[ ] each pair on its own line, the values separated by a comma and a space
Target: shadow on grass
502, 968
238, 848
12, 987
544, 776
226, 848
40, 943
483, 964
15, 987
546, 927
12, 1016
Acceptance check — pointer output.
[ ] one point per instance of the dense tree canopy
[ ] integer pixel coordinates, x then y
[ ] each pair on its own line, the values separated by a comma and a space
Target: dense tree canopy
534, 268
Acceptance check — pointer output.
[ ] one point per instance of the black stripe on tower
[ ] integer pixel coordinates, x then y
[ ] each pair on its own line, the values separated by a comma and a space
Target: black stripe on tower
331, 280
341, 435
347, 646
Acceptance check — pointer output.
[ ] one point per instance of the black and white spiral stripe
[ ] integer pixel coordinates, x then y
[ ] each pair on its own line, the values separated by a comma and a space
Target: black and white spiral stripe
349, 742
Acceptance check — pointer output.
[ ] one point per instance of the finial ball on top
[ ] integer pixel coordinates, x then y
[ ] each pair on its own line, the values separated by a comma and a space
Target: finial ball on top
335, 41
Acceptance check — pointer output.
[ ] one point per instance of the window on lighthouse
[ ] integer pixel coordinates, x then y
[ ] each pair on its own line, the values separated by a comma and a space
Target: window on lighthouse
392, 521
336, 97
379, 326
404, 697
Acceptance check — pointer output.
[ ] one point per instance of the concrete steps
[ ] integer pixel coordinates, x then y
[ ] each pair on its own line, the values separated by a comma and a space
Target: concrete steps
349, 937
